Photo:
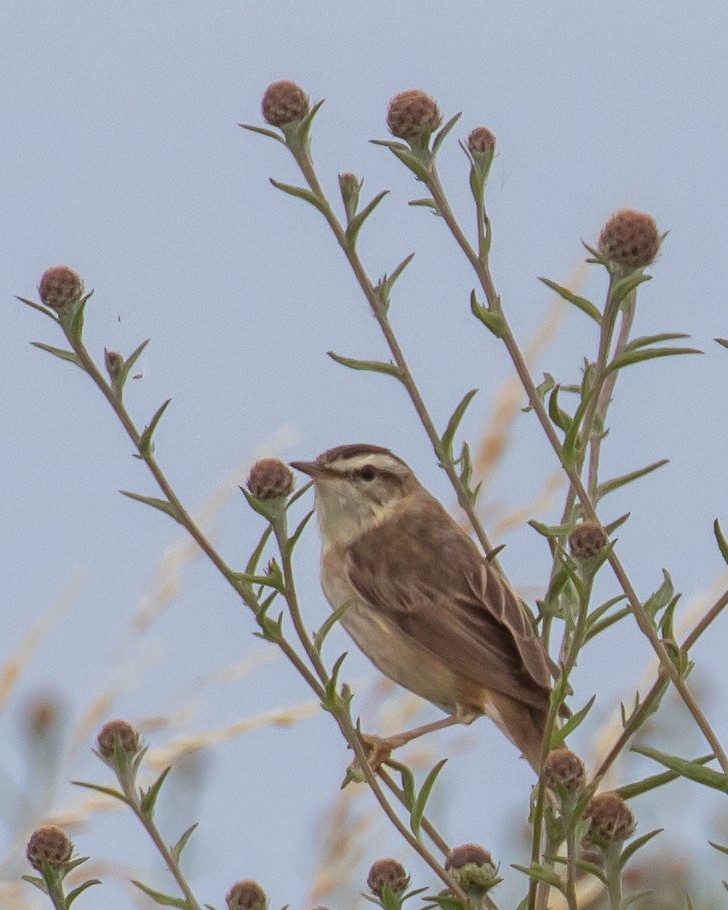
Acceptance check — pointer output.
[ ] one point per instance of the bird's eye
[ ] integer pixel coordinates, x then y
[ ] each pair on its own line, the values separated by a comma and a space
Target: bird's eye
367, 473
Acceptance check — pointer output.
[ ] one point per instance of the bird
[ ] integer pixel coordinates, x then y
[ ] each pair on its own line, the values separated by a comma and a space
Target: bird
421, 600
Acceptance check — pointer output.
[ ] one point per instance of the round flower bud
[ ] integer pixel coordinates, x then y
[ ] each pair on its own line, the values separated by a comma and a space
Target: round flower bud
60, 287
587, 540
246, 895
413, 113
564, 772
50, 844
630, 238
610, 819
284, 102
387, 872
481, 141
472, 867
270, 478
123, 732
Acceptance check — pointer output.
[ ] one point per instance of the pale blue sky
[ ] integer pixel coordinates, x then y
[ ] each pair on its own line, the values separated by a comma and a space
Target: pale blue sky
121, 157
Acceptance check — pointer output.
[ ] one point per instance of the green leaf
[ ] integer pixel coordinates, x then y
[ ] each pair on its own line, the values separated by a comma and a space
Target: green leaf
58, 352
107, 791
301, 193
262, 131
723, 341
661, 597
598, 627
626, 285
617, 523
36, 882
631, 357
408, 785
371, 366
356, 223
550, 531
164, 900
621, 481
692, 770
177, 849
586, 306
425, 204
161, 504
631, 848
572, 443
72, 895
294, 538
146, 445
722, 542
490, 319
131, 360
448, 436
149, 797
571, 724
643, 341
592, 869
418, 810
331, 695
718, 847
629, 791
328, 624
75, 328
384, 287
41, 309
406, 156
274, 581
559, 417
440, 137
541, 874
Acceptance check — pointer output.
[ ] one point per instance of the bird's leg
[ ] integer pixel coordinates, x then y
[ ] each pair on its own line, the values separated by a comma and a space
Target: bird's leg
381, 747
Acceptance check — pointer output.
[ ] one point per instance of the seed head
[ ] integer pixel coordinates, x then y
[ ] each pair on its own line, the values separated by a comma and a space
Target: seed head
270, 478
49, 843
123, 732
587, 540
413, 113
630, 238
472, 867
611, 819
60, 287
481, 141
246, 895
284, 102
387, 872
564, 772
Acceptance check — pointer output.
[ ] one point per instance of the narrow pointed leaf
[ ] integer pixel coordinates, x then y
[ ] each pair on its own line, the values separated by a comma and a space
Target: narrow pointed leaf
452, 427
491, 320
617, 523
598, 627
149, 797
425, 204
631, 357
418, 810
643, 341
586, 306
72, 895
107, 791
723, 341
164, 900
631, 848
558, 416
36, 882
440, 136
410, 160
58, 352
371, 366
541, 874
50, 313
690, 769
328, 624
617, 482
75, 329
625, 286
358, 220
293, 539
389, 281
262, 131
571, 724
161, 504
720, 539
177, 849
133, 357
300, 193
718, 847
629, 791
146, 445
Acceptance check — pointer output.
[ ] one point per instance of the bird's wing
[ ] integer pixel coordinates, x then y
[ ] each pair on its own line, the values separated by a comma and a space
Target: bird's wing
429, 580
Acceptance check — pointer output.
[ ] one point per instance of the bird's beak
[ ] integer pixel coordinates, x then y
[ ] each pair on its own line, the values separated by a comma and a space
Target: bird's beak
312, 468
